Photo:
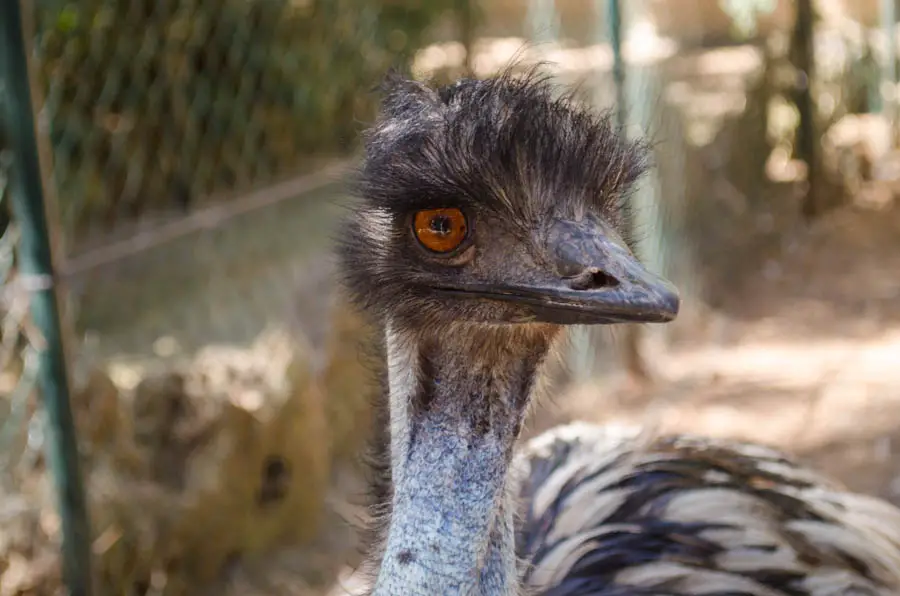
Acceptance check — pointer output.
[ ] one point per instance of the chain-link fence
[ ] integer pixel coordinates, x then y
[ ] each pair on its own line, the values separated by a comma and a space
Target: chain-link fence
18, 361
155, 107
20, 428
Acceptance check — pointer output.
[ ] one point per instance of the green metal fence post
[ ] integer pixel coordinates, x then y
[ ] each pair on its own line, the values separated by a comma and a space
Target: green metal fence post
36, 271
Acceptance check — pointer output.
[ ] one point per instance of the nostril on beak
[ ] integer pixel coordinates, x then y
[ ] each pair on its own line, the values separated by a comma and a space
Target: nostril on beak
592, 278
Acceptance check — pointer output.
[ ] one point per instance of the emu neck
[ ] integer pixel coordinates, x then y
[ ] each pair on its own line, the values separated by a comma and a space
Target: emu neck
457, 403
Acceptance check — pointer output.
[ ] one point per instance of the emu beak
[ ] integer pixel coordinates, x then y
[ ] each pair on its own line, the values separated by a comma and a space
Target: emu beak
597, 281
600, 281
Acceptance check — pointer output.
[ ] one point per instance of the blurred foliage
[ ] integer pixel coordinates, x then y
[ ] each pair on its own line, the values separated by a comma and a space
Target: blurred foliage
156, 103
744, 13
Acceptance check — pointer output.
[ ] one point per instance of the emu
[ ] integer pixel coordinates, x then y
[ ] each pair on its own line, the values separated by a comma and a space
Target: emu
491, 216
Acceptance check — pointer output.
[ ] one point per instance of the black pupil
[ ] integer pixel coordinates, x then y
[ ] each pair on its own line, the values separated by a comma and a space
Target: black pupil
441, 224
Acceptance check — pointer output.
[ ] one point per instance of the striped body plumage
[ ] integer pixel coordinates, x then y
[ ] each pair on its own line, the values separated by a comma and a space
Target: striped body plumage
608, 512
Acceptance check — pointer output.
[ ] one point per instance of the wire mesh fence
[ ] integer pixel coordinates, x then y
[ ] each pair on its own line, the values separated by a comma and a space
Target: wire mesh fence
154, 107
19, 431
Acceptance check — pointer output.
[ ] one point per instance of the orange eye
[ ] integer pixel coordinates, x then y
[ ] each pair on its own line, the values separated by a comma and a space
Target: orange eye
441, 230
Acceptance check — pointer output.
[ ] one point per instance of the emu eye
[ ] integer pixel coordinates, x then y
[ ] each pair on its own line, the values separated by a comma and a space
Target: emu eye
440, 230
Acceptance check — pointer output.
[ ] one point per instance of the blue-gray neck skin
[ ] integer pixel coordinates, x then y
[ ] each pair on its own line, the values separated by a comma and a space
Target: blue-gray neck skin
457, 403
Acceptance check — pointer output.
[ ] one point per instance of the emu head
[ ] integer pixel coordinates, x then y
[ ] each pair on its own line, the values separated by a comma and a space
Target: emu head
495, 201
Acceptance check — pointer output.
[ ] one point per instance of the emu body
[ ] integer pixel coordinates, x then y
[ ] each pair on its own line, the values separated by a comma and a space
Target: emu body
491, 216
609, 512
